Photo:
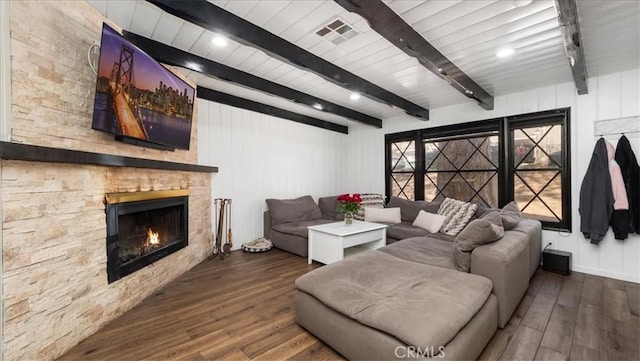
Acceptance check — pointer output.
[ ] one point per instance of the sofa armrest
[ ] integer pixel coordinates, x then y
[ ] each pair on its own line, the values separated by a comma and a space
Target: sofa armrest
266, 225
506, 264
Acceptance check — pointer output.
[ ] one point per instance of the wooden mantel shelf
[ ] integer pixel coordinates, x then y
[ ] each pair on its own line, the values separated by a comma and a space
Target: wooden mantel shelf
34, 153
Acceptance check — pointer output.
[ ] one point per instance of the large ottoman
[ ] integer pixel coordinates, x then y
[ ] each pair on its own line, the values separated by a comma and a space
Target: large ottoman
374, 306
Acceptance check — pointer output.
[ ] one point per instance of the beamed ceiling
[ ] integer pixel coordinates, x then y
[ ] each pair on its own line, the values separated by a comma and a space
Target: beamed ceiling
402, 56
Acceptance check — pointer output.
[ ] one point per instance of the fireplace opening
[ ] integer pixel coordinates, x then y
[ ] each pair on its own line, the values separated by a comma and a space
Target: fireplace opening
143, 227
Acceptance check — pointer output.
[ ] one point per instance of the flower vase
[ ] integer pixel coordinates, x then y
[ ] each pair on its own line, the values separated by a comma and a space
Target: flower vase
348, 219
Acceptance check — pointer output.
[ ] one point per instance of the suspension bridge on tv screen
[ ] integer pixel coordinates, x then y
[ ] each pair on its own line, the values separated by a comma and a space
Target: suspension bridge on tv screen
122, 78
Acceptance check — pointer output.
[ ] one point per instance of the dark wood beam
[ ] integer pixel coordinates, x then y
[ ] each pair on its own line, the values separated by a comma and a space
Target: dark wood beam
570, 29
211, 17
391, 26
224, 98
172, 56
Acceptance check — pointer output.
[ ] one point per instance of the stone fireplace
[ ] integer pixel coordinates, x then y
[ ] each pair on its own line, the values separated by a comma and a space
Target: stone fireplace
55, 173
143, 227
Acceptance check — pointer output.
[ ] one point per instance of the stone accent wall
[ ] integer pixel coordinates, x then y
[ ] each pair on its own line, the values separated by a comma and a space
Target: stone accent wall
55, 275
53, 217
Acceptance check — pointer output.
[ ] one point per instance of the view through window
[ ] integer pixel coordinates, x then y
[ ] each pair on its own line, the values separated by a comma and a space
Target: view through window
492, 162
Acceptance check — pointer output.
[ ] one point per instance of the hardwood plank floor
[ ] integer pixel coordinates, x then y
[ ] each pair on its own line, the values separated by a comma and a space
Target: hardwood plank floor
242, 308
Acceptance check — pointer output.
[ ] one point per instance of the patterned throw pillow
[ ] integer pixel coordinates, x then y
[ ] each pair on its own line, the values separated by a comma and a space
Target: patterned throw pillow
458, 214
369, 200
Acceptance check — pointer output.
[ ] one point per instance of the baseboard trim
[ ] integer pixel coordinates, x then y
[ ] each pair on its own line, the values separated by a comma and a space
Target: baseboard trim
615, 275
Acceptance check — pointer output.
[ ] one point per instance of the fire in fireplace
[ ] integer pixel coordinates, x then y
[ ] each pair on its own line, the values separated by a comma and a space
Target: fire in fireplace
143, 227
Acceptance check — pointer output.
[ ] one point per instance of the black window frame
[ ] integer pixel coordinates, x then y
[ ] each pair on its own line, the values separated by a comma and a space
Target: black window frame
506, 171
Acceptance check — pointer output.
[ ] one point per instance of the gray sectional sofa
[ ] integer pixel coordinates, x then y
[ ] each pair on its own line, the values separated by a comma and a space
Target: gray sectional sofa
410, 294
286, 220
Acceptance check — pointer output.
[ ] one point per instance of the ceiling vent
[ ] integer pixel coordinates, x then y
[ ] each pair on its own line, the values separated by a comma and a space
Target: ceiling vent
337, 31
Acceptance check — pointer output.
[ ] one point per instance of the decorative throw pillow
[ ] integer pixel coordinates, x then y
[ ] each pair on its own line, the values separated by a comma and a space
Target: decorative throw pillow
383, 215
510, 215
458, 214
429, 222
410, 209
478, 232
369, 200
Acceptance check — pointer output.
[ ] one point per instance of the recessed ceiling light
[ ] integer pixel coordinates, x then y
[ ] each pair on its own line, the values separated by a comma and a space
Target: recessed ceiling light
317, 106
355, 96
503, 53
219, 41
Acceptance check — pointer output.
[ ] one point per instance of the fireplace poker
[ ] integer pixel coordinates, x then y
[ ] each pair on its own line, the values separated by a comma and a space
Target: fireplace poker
220, 229
229, 243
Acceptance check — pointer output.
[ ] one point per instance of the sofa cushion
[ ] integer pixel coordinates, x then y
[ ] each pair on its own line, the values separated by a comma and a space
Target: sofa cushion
510, 215
410, 209
426, 250
458, 214
299, 228
416, 303
369, 200
478, 232
404, 230
383, 215
329, 208
293, 210
429, 222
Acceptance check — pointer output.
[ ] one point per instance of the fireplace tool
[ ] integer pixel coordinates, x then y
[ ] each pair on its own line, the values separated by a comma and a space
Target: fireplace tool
227, 246
218, 205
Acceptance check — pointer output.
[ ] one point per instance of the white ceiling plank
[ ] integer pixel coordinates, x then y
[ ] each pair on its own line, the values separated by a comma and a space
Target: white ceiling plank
167, 28
238, 55
265, 10
607, 48
403, 6
121, 11
265, 67
425, 9
253, 61
290, 15
204, 45
187, 36
449, 14
499, 14
145, 18
240, 8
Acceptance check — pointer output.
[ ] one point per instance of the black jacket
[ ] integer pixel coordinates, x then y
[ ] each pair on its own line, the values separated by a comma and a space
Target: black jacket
596, 196
631, 175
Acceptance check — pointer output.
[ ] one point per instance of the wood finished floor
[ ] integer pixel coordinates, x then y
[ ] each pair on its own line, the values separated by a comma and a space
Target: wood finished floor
242, 308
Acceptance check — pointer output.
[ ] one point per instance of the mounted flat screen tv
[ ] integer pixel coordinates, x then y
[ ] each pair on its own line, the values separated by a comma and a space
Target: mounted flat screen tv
138, 99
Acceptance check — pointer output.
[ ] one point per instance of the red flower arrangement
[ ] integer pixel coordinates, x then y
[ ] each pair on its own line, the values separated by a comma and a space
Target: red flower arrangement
350, 203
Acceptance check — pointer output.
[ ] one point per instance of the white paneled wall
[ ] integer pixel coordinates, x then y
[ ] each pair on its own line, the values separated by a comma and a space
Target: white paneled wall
611, 96
261, 156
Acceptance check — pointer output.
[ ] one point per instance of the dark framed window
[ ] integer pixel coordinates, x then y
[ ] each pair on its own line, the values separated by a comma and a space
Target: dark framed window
490, 163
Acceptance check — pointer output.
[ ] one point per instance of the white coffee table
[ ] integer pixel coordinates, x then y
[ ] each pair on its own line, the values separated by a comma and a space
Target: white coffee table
331, 242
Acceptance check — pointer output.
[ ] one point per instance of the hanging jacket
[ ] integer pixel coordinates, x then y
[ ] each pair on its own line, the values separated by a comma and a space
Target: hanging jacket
620, 217
631, 175
620, 200
596, 195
